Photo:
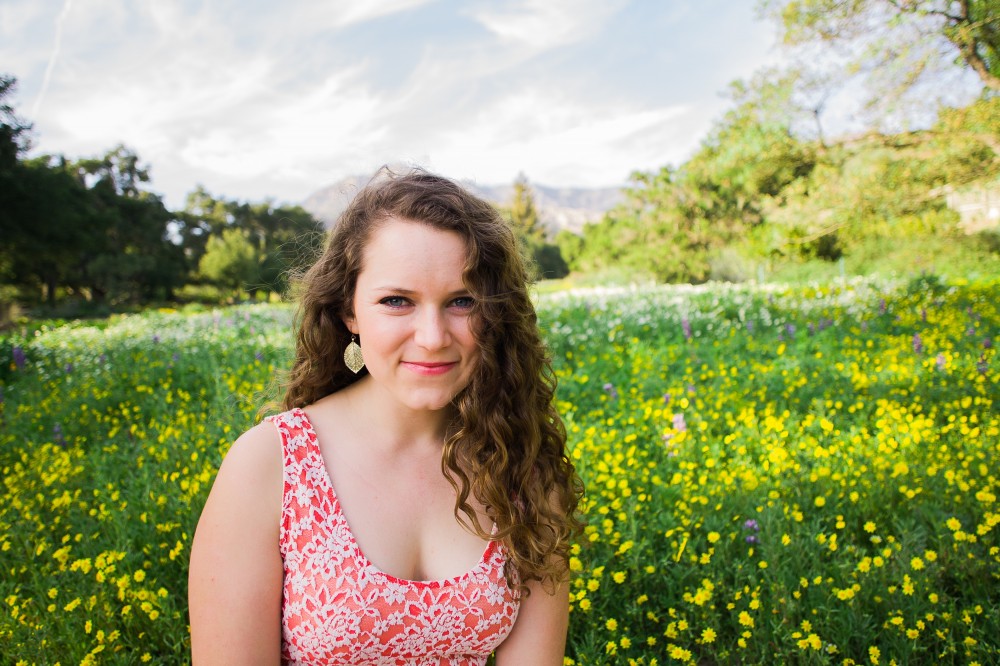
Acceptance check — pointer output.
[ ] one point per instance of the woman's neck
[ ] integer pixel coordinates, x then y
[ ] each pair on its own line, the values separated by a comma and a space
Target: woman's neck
391, 425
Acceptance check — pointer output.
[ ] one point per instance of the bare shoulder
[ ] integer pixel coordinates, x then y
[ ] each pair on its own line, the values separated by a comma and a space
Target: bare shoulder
234, 584
255, 454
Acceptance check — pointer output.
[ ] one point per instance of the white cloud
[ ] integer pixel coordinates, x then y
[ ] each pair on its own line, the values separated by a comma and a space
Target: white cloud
555, 141
320, 16
545, 24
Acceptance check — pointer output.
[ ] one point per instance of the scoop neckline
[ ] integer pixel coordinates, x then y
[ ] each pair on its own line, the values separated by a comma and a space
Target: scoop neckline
316, 453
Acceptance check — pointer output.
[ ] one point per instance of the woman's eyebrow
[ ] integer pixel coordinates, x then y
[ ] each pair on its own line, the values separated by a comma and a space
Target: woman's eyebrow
410, 292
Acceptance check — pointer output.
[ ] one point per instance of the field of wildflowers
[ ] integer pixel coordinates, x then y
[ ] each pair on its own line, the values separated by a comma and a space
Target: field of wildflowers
797, 475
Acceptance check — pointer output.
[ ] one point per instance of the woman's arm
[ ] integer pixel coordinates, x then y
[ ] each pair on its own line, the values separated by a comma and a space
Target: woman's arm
235, 579
539, 633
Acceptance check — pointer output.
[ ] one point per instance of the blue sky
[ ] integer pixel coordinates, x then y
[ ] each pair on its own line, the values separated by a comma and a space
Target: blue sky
256, 99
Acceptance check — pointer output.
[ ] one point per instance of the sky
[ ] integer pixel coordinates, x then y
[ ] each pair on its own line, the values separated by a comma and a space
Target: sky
255, 99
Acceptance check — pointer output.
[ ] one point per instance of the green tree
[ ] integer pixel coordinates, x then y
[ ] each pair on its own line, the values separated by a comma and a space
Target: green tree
902, 48
131, 255
46, 228
522, 215
13, 130
231, 260
287, 239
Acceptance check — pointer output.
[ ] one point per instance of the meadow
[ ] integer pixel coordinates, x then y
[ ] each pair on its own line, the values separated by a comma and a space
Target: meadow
801, 475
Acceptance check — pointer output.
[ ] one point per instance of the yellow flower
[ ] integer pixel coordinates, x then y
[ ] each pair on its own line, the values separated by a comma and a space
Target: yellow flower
820, 501
917, 564
611, 624
869, 527
708, 635
713, 537
873, 654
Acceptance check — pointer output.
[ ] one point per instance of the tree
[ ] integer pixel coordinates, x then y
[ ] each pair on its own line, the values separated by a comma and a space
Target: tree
231, 260
522, 214
13, 130
900, 47
131, 255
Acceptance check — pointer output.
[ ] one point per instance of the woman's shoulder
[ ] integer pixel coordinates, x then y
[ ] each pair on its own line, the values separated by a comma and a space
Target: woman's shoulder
255, 455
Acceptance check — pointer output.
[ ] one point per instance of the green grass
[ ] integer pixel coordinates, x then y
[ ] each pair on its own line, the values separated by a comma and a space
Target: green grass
775, 474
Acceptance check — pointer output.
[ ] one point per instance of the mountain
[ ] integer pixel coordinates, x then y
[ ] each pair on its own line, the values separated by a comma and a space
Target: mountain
558, 207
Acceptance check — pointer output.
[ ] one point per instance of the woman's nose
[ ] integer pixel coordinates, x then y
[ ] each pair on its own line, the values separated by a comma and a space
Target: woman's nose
431, 330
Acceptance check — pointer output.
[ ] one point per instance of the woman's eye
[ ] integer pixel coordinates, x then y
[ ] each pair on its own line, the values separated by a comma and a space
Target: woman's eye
393, 301
463, 302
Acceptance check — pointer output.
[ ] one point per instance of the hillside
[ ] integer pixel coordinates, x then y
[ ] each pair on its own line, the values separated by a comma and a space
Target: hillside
558, 207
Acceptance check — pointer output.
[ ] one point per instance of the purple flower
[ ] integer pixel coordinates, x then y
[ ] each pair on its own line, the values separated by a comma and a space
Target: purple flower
749, 326
666, 398
686, 326
156, 339
940, 361
19, 358
923, 314
57, 435
610, 389
750, 538
751, 524
259, 356
103, 358
918, 344
68, 368
881, 306
679, 424
691, 389
970, 331
982, 365
987, 343
790, 329
864, 326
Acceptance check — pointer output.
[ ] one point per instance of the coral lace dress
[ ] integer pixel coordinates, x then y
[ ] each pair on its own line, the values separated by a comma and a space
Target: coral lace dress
338, 608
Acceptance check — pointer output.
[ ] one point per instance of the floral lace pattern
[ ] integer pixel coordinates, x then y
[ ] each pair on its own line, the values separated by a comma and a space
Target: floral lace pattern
338, 608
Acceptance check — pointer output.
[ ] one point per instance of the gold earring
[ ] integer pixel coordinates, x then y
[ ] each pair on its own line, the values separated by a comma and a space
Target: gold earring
352, 356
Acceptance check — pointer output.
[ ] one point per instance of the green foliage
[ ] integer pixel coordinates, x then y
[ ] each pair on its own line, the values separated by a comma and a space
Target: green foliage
231, 260
522, 215
901, 48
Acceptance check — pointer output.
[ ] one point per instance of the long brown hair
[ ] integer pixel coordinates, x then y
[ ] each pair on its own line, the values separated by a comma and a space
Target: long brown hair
507, 447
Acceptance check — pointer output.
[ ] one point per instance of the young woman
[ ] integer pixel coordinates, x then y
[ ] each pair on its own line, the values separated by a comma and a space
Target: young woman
414, 503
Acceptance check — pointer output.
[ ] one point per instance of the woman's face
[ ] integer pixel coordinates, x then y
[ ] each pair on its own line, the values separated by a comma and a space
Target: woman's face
413, 314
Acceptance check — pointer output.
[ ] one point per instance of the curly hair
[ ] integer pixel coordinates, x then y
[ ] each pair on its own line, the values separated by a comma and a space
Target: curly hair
507, 447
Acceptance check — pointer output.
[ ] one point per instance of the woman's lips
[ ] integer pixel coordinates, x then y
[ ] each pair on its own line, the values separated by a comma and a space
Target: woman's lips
430, 369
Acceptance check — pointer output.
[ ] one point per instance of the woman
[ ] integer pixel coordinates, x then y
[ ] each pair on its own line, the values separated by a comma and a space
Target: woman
414, 503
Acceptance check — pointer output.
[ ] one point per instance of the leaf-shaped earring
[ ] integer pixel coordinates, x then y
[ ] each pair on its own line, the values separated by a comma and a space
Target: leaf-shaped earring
352, 356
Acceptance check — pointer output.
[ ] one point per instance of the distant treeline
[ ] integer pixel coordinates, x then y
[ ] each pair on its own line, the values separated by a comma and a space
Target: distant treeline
87, 231
756, 200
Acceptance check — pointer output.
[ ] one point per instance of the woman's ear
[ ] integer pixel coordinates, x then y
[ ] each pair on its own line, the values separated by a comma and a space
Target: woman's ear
351, 324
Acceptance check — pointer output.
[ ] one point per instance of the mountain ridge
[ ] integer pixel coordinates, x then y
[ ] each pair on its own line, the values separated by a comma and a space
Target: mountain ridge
559, 208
